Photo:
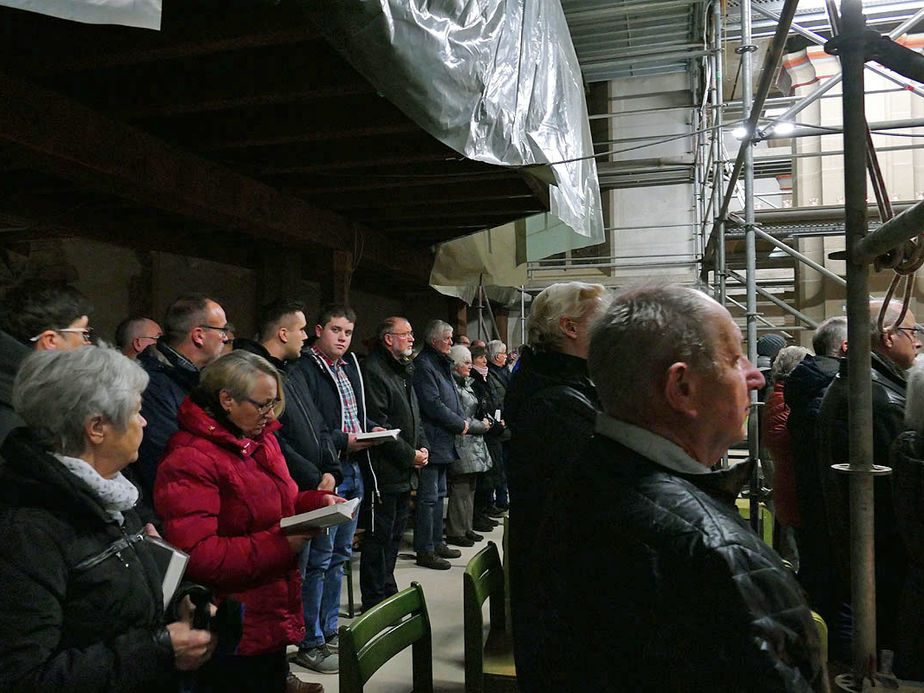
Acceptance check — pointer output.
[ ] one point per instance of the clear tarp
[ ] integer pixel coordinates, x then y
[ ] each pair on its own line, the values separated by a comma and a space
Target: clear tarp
144, 14
496, 80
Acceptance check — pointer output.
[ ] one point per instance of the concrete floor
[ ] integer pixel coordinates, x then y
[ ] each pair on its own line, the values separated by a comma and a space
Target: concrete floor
443, 592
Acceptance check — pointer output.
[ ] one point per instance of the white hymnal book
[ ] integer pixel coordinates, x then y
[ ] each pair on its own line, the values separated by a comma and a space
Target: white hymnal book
322, 518
390, 434
172, 563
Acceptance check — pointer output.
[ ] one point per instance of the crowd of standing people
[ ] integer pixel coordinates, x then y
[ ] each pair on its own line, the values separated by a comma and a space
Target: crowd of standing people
604, 432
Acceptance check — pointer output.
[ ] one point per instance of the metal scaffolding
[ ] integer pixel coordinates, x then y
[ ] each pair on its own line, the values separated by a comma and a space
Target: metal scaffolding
854, 44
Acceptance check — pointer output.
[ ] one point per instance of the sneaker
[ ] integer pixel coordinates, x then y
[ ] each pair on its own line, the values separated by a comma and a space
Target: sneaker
429, 559
444, 551
474, 537
318, 659
333, 643
459, 541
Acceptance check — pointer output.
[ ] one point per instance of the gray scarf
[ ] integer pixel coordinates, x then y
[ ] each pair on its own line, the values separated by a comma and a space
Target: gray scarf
115, 494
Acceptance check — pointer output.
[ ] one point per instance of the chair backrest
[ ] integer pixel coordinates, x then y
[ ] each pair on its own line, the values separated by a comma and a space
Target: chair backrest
765, 522
483, 579
822, 634
382, 632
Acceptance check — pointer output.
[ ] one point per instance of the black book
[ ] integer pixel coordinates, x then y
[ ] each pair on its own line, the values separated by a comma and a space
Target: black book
171, 562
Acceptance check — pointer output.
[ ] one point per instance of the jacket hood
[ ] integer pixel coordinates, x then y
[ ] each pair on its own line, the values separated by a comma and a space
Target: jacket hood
253, 347
809, 378
195, 420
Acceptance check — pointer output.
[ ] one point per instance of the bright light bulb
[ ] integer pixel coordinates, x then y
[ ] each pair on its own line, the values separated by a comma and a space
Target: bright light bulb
783, 128
740, 132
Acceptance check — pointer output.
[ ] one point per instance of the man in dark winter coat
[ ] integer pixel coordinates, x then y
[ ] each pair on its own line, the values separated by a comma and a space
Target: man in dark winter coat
550, 408
893, 352
391, 400
195, 332
690, 597
336, 383
805, 388
441, 413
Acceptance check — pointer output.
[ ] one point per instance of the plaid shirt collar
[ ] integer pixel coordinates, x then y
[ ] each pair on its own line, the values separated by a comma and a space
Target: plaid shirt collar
335, 365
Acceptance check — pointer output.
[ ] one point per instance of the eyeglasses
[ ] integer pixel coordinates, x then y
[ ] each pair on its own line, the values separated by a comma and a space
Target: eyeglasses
403, 335
913, 331
87, 333
225, 331
263, 407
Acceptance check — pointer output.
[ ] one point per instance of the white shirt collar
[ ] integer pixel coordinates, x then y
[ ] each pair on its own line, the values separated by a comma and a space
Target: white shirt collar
650, 445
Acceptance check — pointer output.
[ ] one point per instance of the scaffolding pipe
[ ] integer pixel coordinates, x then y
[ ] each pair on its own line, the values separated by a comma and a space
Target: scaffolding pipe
745, 310
860, 412
804, 259
753, 109
719, 174
777, 302
891, 234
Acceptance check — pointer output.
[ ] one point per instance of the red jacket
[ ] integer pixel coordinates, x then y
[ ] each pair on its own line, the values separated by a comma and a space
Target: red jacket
777, 441
221, 499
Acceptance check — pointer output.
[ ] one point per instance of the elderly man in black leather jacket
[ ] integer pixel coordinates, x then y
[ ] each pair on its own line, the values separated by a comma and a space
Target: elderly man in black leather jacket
686, 597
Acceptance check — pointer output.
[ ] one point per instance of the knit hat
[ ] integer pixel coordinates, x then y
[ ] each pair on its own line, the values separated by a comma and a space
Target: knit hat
769, 345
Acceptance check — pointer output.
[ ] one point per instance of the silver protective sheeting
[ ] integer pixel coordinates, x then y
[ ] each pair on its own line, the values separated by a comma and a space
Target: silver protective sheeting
496, 80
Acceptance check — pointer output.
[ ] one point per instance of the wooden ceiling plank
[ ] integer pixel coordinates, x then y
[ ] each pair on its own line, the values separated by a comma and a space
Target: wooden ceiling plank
80, 144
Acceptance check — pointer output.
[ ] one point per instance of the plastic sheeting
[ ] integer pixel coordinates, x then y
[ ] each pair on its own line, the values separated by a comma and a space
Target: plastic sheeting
144, 14
496, 80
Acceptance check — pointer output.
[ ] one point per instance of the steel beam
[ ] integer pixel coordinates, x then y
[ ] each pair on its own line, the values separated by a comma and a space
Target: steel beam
804, 259
891, 234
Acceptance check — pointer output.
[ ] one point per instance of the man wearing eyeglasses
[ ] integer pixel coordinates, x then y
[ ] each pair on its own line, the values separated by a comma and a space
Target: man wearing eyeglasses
37, 316
392, 401
894, 346
135, 334
195, 332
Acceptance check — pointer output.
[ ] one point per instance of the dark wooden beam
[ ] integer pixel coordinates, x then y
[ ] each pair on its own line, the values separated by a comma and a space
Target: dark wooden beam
511, 189
77, 143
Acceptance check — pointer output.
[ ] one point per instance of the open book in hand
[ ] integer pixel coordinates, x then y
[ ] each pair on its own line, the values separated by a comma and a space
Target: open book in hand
172, 563
322, 518
390, 434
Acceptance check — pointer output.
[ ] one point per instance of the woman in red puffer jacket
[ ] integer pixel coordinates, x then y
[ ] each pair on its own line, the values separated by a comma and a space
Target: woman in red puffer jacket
222, 486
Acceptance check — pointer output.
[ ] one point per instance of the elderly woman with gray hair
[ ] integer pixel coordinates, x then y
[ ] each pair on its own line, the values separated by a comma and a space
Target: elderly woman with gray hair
81, 607
474, 457
222, 487
907, 460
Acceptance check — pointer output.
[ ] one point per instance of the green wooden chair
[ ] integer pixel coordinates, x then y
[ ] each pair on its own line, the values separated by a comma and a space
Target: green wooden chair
382, 632
489, 665
765, 519
822, 634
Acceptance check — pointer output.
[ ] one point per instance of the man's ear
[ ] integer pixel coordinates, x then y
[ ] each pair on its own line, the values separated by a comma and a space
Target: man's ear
318, 329
197, 336
680, 389
843, 349
568, 326
47, 341
283, 335
94, 429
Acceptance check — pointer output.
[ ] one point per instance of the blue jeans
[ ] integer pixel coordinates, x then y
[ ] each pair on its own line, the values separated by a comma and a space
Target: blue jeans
428, 522
322, 572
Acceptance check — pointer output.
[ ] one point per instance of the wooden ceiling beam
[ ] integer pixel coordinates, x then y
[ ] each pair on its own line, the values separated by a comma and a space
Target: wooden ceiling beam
77, 143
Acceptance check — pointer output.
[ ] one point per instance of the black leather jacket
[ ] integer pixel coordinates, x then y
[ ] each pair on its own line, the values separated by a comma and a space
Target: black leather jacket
684, 595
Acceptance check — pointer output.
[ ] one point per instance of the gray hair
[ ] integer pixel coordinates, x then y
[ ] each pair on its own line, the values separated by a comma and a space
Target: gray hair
890, 318
914, 402
237, 373
829, 336
458, 353
786, 359
59, 391
636, 339
435, 329
494, 347
571, 299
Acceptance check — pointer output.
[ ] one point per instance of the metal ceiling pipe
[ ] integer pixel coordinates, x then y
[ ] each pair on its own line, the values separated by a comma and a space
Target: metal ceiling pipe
891, 234
804, 259
719, 174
